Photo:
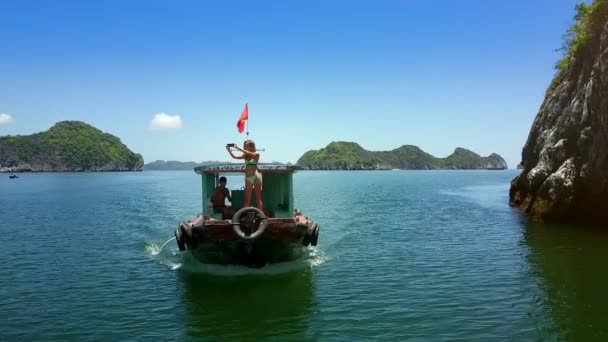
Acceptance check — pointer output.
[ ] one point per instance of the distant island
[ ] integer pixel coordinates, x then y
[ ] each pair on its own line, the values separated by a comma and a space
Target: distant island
350, 156
67, 146
161, 165
175, 165
341, 155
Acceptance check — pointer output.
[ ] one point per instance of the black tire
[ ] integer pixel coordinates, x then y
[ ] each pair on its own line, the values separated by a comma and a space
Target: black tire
314, 238
178, 239
306, 240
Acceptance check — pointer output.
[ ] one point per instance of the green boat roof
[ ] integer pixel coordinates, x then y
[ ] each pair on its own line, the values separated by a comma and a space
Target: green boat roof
240, 168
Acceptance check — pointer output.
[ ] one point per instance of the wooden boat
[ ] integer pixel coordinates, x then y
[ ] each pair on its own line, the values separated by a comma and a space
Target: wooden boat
250, 237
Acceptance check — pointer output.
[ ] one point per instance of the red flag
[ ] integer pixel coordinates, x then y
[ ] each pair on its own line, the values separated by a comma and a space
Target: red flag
244, 117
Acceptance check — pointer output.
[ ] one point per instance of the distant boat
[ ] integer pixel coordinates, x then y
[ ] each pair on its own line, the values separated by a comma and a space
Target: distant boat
13, 176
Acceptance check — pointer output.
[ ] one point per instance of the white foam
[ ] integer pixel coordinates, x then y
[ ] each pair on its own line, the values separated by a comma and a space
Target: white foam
171, 257
184, 261
153, 248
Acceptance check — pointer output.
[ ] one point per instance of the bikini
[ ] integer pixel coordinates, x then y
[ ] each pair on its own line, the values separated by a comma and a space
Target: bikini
252, 163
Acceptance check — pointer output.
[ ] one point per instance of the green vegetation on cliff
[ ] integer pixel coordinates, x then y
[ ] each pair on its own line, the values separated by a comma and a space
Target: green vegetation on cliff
68, 146
586, 29
350, 156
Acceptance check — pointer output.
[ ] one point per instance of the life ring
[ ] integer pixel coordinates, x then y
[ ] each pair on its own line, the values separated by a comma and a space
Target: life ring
236, 223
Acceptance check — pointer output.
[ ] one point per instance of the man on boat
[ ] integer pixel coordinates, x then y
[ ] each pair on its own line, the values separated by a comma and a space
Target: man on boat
218, 199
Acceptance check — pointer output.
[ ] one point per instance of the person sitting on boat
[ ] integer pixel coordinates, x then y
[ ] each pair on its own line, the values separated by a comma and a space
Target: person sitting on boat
253, 177
218, 199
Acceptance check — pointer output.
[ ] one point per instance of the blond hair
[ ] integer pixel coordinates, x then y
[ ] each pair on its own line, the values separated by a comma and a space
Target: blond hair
249, 142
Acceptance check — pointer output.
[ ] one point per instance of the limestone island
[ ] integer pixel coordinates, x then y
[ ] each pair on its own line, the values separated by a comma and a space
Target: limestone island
341, 155
161, 165
565, 159
68, 146
174, 165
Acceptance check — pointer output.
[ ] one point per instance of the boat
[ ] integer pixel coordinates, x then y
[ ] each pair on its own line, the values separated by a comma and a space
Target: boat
250, 237
13, 176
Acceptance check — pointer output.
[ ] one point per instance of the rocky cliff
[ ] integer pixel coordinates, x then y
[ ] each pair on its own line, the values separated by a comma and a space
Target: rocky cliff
341, 155
565, 159
67, 146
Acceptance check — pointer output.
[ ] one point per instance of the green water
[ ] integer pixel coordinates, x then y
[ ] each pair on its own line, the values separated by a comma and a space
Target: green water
402, 255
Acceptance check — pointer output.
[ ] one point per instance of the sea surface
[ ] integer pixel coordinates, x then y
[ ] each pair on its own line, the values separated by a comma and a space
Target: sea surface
402, 255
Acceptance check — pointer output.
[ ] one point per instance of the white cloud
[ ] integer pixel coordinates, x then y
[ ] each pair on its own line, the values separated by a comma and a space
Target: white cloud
166, 121
5, 119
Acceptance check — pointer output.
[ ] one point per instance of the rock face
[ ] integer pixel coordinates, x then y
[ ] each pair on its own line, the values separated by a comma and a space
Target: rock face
67, 146
565, 159
341, 155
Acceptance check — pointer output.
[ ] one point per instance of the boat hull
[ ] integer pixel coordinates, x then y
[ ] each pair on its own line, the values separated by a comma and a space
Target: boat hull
255, 254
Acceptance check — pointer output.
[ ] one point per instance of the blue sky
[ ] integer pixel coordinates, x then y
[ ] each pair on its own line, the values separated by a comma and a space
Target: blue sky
437, 73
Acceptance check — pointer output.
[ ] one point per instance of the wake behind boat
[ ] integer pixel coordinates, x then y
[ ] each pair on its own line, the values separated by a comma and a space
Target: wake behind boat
250, 237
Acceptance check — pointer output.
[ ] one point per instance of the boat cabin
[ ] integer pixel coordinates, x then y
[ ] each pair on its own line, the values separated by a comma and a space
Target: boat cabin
277, 189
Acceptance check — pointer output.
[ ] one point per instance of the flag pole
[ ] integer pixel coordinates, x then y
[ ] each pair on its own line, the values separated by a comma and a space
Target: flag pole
247, 122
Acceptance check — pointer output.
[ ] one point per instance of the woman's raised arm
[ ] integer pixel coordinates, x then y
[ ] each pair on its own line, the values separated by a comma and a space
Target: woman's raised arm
232, 154
246, 153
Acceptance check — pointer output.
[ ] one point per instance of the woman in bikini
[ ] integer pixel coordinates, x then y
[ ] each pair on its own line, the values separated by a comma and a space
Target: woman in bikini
253, 177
